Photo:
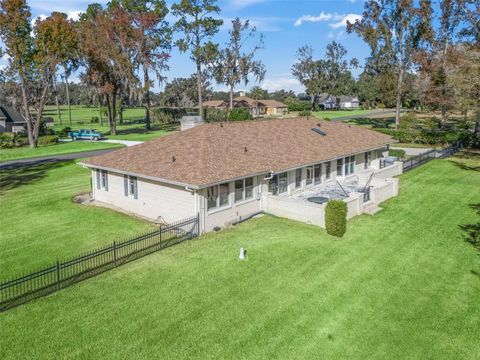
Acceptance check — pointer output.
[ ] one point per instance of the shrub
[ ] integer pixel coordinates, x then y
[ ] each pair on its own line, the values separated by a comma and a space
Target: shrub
239, 114
381, 106
47, 140
214, 115
299, 105
305, 113
399, 153
336, 217
9, 140
64, 132
94, 119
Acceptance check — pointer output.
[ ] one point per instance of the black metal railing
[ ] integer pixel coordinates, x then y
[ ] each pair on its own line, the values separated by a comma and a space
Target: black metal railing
425, 157
66, 272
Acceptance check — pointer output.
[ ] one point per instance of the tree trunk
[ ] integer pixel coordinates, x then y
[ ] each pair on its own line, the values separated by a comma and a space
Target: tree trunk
199, 88
100, 112
41, 105
113, 125
399, 99
67, 91
109, 112
312, 102
146, 97
59, 114
31, 140
231, 97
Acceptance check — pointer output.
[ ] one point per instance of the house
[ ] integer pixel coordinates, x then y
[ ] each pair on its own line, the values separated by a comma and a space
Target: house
11, 121
227, 172
326, 102
349, 102
256, 107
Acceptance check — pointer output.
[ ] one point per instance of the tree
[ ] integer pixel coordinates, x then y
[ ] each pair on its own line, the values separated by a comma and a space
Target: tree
153, 42
258, 93
197, 25
310, 73
339, 79
33, 60
182, 92
393, 29
233, 65
108, 45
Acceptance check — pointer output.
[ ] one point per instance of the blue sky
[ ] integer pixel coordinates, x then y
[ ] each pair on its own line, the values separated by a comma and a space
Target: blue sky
286, 25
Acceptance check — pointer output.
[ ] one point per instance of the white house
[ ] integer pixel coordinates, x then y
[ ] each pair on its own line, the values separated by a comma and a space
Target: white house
227, 172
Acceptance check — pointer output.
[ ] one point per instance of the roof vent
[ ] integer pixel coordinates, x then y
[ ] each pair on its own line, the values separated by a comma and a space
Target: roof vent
318, 131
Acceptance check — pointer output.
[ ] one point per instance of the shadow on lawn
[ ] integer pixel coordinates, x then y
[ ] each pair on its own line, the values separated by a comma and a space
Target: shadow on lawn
463, 159
378, 123
472, 233
11, 178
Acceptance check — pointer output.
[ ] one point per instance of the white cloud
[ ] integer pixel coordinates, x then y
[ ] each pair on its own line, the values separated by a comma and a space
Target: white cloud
278, 83
74, 14
340, 20
239, 4
343, 22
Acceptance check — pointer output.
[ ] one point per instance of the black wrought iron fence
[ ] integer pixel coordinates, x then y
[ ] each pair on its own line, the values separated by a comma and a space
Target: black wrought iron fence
66, 272
422, 158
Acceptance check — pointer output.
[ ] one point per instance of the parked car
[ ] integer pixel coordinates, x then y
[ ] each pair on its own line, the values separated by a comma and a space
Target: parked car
85, 134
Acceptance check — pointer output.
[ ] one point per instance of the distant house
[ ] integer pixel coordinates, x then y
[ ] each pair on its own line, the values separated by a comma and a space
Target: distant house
256, 107
11, 120
326, 101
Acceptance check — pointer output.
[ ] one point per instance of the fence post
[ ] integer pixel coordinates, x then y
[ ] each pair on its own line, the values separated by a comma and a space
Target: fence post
58, 275
114, 253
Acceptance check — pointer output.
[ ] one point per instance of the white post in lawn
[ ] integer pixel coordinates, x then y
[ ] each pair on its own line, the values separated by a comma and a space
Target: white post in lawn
242, 254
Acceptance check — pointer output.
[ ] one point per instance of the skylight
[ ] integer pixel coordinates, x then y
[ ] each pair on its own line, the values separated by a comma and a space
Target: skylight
318, 131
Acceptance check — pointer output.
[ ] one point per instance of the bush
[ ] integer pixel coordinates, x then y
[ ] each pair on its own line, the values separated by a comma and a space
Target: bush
94, 119
305, 113
64, 132
47, 140
9, 140
215, 115
239, 114
398, 153
299, 105
336, 217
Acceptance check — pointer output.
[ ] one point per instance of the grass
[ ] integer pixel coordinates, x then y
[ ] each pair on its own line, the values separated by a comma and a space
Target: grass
82, 116
41, 223
54, 149
339, 113
413, 145
400, 284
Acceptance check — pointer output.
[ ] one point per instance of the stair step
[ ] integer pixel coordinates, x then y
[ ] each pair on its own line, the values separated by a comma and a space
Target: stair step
371, 208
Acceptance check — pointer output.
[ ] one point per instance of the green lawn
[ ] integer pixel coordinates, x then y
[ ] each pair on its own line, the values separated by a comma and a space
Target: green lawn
55, 149
332, 114
40, 223
401, 284
82, 116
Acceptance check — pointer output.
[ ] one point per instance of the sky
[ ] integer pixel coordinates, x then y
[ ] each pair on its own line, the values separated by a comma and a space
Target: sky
286, 25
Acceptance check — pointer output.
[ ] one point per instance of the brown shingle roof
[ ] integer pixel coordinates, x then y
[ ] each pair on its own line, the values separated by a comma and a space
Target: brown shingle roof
214, 103
273, 103
215, 152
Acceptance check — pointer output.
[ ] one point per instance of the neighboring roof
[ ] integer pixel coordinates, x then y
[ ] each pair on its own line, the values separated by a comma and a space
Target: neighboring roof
323, 98
216, 152
11, 115
348, 98
273, 103
213, 103
251, 102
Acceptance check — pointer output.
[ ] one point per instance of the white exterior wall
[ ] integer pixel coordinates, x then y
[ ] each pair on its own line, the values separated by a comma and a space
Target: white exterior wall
155, 200
234, 212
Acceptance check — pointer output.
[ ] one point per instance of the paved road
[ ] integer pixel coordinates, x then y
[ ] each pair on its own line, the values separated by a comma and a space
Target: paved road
8, 165
359, 116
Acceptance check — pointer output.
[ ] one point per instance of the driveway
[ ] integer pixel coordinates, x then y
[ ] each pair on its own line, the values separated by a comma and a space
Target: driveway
123, 142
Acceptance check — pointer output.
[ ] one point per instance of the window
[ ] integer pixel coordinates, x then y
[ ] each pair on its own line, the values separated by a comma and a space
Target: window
309, 179
328, 169
102, 179
317, 174
340, 167
298, 178
368, 159
282, 183
278, 184
243, 189
130, 186
349, 165
217, 196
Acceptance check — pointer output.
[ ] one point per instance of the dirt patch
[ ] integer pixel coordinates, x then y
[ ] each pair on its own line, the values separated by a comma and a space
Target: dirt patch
83, 198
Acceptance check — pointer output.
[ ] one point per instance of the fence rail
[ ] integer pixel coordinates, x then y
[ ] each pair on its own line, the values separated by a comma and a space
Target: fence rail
66, 272
422, 158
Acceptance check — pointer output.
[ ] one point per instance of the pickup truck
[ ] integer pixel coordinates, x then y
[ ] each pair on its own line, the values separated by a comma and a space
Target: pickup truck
85, 134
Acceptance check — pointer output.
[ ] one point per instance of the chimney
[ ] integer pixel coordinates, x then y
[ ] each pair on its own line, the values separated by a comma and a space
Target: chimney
243, 93
190, 121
